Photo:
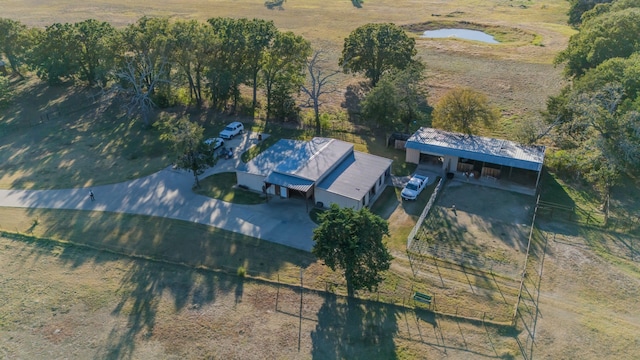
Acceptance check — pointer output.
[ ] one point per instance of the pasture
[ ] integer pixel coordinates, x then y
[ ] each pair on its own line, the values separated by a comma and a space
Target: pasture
139, 287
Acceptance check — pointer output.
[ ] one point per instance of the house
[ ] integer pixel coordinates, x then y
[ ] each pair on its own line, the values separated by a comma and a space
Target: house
322, 169
512, 165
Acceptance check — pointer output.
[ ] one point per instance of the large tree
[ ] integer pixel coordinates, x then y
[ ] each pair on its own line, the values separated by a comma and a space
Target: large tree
579, 7
96, 50
463, 109
193, 44
55, 54
228, 67
374, 49
138, 79
380, 106
624, 71
352, 241
602, 138
14, 42
609, 35
398, 101
186, 139
283, 70
319, 83
259, 34
147, 48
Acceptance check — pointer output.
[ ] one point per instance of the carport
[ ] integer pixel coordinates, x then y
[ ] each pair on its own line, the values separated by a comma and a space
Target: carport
477, 158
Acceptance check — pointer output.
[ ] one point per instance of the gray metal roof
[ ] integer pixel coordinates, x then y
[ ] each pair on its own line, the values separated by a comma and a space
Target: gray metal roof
288, 181
355, 175
267, 160
304, 159
496, 151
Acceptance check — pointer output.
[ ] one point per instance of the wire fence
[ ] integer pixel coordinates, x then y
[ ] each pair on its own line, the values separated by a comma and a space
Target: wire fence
425, 212
292, 283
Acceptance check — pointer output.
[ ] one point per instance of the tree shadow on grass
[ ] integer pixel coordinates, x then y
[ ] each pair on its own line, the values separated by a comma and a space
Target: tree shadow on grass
354, 330
142, 289
162, 262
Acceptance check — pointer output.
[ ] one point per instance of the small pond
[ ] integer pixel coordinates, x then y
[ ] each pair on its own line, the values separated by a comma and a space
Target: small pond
462, 34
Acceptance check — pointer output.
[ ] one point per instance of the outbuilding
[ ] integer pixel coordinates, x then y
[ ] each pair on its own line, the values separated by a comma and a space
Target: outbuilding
513, 165
322, 169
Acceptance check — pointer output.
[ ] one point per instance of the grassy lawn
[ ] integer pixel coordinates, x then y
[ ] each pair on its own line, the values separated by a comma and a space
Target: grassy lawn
579, 197
81, 143
156, 238
54, 137
401, 215
222, 186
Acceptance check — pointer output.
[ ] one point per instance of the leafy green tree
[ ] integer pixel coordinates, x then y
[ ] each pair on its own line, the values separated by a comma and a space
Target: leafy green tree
624, 71
411, 95
603, 138
55, 54
352, 241
228, 67
380, 106
259, 34
186, 139
14, 43
6, 93
193, 44
609, 6
399, 100
579, 7
283, 70
462, 109
374, 49
610, 35
244, 44
96, 50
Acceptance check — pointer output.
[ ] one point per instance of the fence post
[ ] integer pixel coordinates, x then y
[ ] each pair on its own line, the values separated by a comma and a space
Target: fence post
278, 292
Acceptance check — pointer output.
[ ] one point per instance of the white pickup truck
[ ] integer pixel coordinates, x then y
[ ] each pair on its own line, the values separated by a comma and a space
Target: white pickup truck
414, 187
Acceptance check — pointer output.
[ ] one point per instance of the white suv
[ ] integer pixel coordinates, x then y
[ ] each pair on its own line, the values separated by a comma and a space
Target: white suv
232, 130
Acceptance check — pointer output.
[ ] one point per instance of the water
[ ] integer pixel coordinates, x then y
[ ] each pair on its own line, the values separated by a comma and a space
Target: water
462, 34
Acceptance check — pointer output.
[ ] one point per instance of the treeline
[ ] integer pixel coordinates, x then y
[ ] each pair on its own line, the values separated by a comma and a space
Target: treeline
158, 61
596, 119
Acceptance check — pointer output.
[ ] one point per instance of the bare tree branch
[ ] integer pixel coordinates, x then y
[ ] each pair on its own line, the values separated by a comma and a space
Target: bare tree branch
319, 84
141, 78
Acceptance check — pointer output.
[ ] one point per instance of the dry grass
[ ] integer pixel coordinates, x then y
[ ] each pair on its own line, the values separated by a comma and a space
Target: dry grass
78, 304
517, 74
57, 137
69, 302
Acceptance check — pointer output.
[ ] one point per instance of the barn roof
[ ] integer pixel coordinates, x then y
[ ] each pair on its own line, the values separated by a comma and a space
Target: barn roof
496, 151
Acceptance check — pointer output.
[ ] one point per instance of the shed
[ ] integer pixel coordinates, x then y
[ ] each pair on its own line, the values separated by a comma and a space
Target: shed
477, 156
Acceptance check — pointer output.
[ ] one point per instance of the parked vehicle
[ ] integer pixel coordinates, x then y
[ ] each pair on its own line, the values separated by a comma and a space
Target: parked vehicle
232, 130
414, 187
215, 143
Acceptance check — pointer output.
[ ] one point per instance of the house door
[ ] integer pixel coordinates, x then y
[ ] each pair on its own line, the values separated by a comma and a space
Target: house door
283, 192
